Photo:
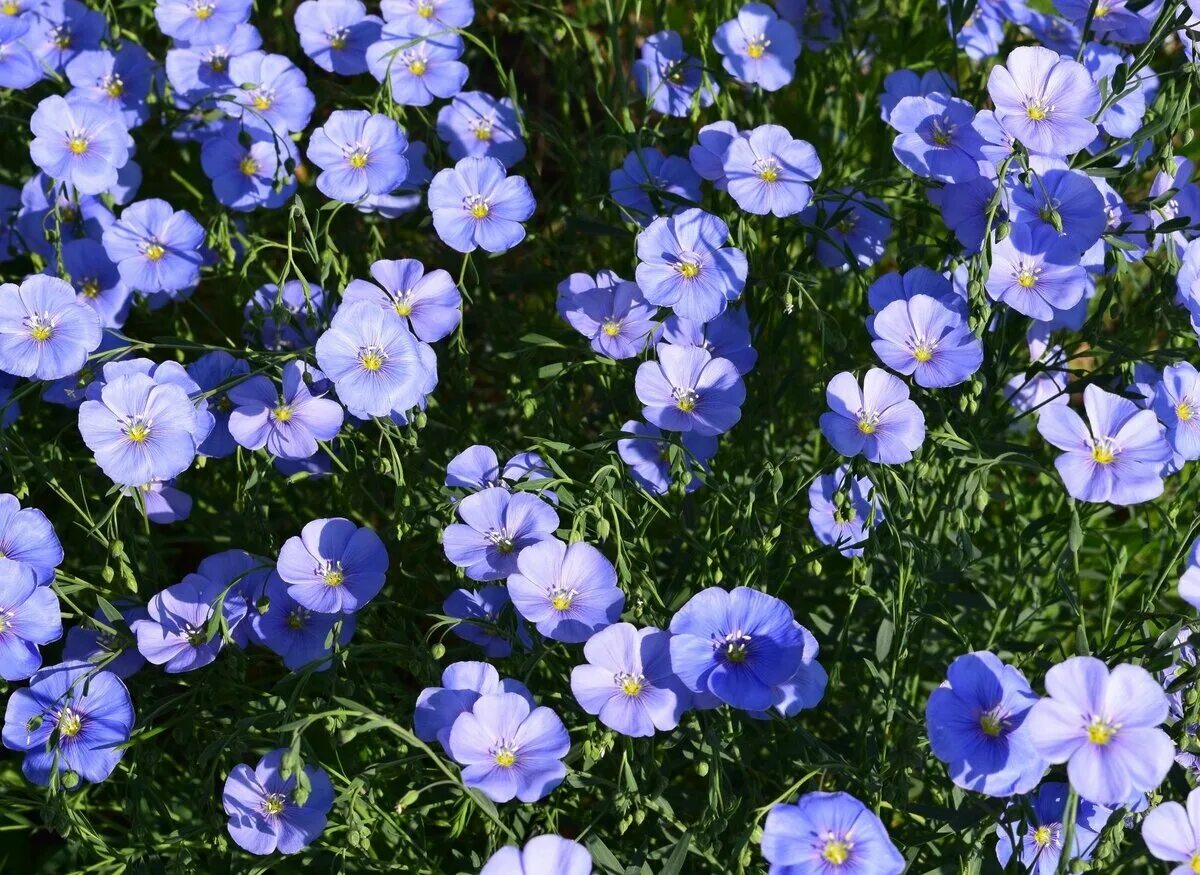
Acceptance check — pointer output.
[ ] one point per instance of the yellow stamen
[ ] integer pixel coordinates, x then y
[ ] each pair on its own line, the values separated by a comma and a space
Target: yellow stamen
1195, 861
1035, 112
41, 332
273, 804
155, 251
922, 353
480, 210
10, 8
403, 307
248, 166
756, 50
611, 328
333, 577
1099, 731
1104, 456
138, 433
1041, 836
358, 159
561, 601
425, 10
262, 102
687, 404
69, 723
115, 88
337, 42
836, 852
866, 427
631, 687
371, 361
768, 174
483, 132
688, 269
203, 12
1184, 411
989, 724
77, 145
282, 413
1026, 279
417, 67
505, 758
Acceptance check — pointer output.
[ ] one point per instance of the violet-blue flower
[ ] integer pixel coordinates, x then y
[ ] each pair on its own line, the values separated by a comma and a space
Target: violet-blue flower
476, 124
569, 591
1045, 101
264, 813
650, 184
936, 139
900, 84
649, 456
758, 48
628, 682
854, 229
449, 14
289, 318
290, 422
1177, 405
46, 333
269, 94
609, 311
215, 373
430, 301
175, 634
463, 683
119, 80
878, 420
1036, 272
333, 566
201, 22
1117, 456
1105, 726
826, 833
19, 69
359, 154
61, 29
336, 34
767, 171
497, 525
96, 281
928, 340
29, 618
1037, 824
509, 749
78, 142
1066, 201
542, 855
707, 157
107, 643
842, 510
727, 337
683, 263
481, 611
27, 537
248, 175
300, 636
687, 389
419, 59
475, 205
155, 247
736, 645
669, 78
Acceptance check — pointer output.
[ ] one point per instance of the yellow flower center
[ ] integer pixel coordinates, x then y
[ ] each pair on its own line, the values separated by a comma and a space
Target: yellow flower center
631, 686
756, 49
282, 413
115, 87
1184, 411
923, 353
836, 852
77, 145
1035, 111
688, 269
41, 331
10, 8
371, 361
63, 40
561, 601
138, 432
505, 758
274, 804
1100, 731
333, 577
483, 132
1103, 455
425, 10
990, 724
218, 64
480, 210
768, 174
1026, 279
262, 102
611, 328
337, 42
403, 307
417, 67
1196, 863
69, 723
866, 425
1041, 836
154, 252
3, 622
358, 159
248, 166
204, 11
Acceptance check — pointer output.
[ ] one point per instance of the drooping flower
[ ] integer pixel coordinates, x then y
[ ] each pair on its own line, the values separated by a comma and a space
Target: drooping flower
359, 154
900, 84
45, 332
854, 229
508, 748
628, 681
481, 611
1045, 101
333, 566
928, 340
767, 171
155, 247
736, 645
497, 526
175, 634
463, 683
28, 538
649, 184
373, 360
288, 423
683, 263
965, 208
726, 337
269, 94
301, 637
569, 591
140, 430
106, 643
216, 373
336, 34
828, 833
430, 301
29, 618
1117, 456
72, 718
687, 389
1177, 197
289, 318
542, 855
264, 813
609, 311
419, 59
1036, 272
449, 14
248, 175
976, 724
478, 125
842, 510
669, 78
1037, 825
475, 205
79, 143
707, 157
49, 208
201, 22
758, 48
1105, 727
878, 420
936, 139
649, 456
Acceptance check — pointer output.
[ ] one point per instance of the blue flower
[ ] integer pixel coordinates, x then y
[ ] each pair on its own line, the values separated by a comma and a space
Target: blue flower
430, 301
61, 29
496, 527
476, 124
247, 171
569, 591
475, 205
288, 423
29, 618
758, 47
1064, 201
359, 154
463, 683
119, 80
976, 725
481, 611
670, 78
542, 855
107, 643
333, 566
649, 459
420, 61
175, 632
936, 138
73, 718
27, 537
928, 340
155, 247
200, 70
215, 373
609, 311
827, 833
301, 636
683, 263
264, 813
79, 143
19, 69
767, 171
842, 510
201, 22
688, 389
97, 281
1035, 826
737, 645
708, 155
269, 94
45, 332
336, 34
900, 84
878, 420
448, 14
288, 318
650, 184
855, 229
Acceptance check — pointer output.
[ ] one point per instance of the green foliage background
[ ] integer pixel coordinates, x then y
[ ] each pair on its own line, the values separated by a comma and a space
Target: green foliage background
981, 548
